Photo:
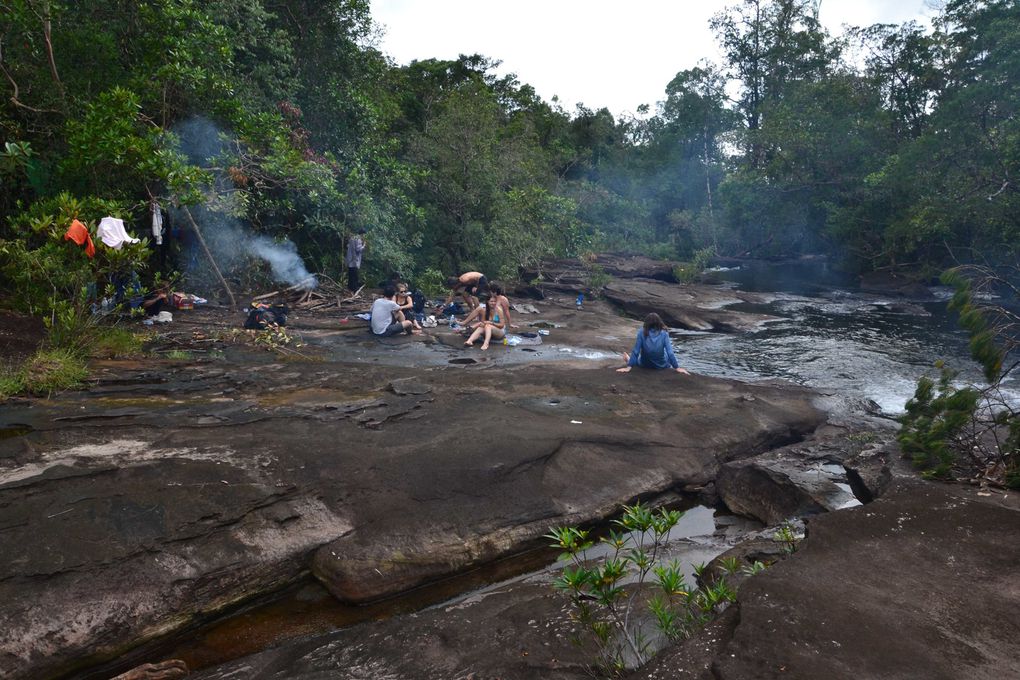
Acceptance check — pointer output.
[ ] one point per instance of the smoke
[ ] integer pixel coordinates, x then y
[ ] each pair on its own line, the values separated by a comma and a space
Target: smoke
200, 140
229, 240
287, 266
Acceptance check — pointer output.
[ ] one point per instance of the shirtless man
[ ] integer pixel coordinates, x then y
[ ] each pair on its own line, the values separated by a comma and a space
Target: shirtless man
468, 285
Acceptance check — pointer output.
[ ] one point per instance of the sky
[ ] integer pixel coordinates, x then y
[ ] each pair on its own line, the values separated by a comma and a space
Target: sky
600, 53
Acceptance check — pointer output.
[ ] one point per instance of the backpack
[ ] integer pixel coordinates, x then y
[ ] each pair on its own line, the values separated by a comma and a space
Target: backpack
418, 301
261, 317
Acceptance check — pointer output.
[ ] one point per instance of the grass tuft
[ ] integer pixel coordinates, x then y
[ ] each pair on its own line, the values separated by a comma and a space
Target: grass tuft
51, 370
10, 382
116, 343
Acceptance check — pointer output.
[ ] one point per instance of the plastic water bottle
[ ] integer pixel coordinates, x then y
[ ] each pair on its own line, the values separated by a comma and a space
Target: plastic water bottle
580, 301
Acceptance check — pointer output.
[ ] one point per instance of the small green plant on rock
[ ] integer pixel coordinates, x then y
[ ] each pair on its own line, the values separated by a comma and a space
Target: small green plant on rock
114, 342
730, 565
598, 279
10, 382
627, 597
274, 337
787, 535
754, 568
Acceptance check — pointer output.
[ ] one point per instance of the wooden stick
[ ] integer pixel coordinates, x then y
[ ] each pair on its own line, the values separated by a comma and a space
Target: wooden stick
263, 297
355, 296
212, 261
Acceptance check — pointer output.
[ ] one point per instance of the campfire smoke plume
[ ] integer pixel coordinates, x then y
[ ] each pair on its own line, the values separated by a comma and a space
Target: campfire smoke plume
283, 259
230, 242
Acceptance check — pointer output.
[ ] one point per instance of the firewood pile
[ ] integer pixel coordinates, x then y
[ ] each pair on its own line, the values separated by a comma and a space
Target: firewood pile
317, 293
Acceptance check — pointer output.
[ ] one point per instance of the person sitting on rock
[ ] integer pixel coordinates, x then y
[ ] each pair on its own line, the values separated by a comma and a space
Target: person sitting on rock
653, 348
407, 304
496, 289
469, 285
492, 325
475, 318
387, 319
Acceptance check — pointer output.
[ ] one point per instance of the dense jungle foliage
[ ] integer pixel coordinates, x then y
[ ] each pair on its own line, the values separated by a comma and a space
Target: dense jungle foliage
886, 146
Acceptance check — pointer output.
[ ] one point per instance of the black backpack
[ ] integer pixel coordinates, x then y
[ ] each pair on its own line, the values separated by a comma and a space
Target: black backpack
418, 301
262, 317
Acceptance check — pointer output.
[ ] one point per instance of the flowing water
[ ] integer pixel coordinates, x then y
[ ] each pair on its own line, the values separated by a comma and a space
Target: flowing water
853, 346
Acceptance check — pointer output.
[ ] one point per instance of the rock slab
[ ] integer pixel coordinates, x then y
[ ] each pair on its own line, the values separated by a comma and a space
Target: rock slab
919, 584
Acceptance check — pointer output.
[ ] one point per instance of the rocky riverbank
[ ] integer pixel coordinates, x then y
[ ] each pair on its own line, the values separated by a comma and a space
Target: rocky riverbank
174, 490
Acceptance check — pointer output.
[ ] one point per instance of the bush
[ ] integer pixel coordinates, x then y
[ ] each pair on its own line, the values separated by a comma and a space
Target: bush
934, 422
610, 597
689, 272
432, 283
39, 267
973, 428
598, 278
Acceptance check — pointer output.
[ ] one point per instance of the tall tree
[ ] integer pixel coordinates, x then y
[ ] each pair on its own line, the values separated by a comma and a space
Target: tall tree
768, 45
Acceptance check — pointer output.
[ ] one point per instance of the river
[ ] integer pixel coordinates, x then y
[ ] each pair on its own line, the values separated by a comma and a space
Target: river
853, 346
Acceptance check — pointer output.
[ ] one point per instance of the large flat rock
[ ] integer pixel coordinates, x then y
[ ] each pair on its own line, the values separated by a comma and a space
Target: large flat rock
170, 491
692, 307
919, 584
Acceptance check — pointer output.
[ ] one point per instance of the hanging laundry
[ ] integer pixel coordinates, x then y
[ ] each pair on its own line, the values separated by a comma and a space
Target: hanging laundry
157, 223
111, 232
79, 233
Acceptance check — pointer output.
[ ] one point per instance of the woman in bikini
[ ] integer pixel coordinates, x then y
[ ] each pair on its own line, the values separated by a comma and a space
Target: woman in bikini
492, 325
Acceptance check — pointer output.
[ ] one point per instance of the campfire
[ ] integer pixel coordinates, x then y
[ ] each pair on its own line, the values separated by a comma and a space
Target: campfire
317, 292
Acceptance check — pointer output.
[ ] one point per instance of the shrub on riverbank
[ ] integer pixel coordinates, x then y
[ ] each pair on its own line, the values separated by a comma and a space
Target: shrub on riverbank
628, 601
974, 430
689, 272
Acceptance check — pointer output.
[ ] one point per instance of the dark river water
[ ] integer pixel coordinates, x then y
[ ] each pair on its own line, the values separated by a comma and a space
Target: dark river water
855, 347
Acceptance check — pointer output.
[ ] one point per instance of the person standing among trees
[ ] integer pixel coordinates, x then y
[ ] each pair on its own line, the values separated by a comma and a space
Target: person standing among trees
355, 247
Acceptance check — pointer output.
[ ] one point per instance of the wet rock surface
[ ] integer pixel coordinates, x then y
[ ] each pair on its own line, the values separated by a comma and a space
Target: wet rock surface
774, 487
696, 308
174, 490
520, 628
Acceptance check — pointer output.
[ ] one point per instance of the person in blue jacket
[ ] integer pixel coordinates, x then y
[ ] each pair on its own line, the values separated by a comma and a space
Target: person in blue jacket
652, 349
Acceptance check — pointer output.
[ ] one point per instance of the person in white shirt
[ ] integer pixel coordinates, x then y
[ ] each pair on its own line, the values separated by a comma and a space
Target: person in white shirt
387, 319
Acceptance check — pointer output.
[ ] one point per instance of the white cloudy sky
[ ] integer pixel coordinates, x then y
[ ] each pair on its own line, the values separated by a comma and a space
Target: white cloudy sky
599, 52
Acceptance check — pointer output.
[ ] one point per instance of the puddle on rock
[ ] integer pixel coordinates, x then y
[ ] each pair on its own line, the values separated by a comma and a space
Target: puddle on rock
309, 609
465, 361
15, 430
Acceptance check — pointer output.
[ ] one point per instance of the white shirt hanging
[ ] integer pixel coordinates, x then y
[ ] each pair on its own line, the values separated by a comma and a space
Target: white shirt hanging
111, 232
157, 224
